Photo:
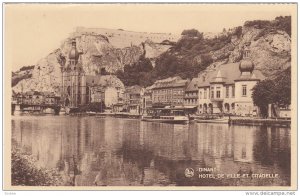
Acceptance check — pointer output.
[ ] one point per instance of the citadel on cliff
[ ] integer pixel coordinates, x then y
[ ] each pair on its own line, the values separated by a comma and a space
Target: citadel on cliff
83, 70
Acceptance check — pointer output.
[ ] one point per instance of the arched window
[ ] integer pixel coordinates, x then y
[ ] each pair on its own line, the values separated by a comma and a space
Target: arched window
87, 95
232, 106
69, 90
67, 102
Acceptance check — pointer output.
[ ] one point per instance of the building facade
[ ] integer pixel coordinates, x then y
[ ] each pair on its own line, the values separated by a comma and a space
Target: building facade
191, 97
133, 99
228, 89
80, 89
169, 92
147, 99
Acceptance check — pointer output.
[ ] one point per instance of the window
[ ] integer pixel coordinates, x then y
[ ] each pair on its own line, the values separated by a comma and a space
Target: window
200, 95
205, 94
211, 92
233, 91
218, 91
244, 90
218, 94
227, 91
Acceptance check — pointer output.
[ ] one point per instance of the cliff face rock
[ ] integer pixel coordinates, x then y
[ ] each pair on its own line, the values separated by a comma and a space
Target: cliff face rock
120, 38
152, 50
45, 76
270, 52
128, 55
112, 81
97, 53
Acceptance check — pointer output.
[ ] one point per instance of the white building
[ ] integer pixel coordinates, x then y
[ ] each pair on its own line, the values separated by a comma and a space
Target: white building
110, 96
228, 89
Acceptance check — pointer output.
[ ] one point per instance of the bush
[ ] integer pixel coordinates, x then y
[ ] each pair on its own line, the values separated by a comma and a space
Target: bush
25, 173
192, 33
24, 68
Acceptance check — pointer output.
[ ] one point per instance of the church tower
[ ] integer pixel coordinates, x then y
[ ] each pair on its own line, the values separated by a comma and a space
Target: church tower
74, 81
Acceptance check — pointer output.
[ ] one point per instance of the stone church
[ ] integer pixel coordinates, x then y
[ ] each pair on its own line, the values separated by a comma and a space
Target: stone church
75, 91
80, 89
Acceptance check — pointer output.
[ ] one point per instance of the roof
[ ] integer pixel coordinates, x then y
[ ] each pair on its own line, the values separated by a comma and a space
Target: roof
180, 83
169, 83
193, 85
227, 73
136, 89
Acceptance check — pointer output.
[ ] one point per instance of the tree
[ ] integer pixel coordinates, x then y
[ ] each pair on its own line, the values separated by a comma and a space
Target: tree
136, 73
282, 91
238, 31
192, 33
273, 91
262, 95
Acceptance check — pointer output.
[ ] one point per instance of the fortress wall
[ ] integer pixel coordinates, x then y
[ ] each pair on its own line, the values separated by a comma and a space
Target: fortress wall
120, 38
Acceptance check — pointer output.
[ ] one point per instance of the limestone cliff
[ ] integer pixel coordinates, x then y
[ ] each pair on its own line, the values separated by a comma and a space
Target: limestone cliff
98, 52
270, 49
270, 52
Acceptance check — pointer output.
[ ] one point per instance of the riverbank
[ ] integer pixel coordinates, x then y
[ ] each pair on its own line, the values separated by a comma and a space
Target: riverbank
233, 120
104, 114
260, 122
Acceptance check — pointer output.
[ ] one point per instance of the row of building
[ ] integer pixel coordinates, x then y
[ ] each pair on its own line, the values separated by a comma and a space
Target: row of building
223, 89
36, 98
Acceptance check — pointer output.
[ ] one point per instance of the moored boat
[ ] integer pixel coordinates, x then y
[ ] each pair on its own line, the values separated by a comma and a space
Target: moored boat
166, 116
215, 120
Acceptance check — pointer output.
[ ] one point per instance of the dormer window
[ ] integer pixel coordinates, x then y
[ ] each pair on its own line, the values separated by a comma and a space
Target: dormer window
246, 54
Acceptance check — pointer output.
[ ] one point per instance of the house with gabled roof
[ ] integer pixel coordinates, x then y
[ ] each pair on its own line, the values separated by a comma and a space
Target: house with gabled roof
228, 88
191, 96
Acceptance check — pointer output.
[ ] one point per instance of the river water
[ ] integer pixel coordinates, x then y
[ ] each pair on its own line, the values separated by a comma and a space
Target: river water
123, 152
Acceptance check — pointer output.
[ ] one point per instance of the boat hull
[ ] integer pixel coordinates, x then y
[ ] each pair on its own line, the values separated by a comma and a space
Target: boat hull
219, 121
178, 121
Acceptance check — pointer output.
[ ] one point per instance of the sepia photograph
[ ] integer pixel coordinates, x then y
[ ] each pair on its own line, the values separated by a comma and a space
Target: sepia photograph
133, 96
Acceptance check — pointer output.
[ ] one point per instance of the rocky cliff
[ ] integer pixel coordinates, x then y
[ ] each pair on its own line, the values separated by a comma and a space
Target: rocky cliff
109, 51
270, 50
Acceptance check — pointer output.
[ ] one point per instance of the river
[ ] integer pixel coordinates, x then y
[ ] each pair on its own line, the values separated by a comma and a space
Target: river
123, 152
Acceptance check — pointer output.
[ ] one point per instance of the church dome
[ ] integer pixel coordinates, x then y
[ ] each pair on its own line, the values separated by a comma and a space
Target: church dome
74, 54
246, 66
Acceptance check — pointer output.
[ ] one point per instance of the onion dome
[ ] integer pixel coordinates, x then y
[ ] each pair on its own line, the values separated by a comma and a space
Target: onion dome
246, 65
74, 54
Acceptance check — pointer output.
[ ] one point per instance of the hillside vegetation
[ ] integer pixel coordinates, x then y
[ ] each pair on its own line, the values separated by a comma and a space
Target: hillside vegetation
193, 53
143, 64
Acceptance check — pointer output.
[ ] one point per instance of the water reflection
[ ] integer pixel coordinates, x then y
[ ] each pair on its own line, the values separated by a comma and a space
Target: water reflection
108, 151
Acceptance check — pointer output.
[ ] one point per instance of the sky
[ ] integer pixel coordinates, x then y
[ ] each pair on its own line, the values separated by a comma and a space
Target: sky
33, 31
